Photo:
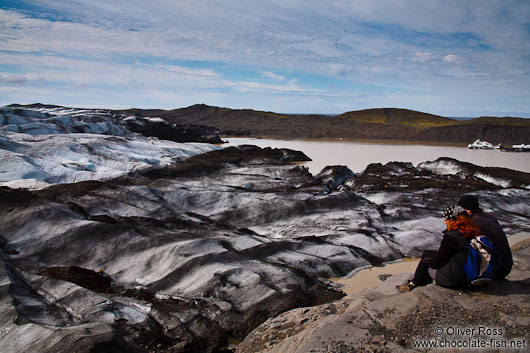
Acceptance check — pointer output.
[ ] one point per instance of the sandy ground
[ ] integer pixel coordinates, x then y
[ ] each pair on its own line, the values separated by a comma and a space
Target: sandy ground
370, 277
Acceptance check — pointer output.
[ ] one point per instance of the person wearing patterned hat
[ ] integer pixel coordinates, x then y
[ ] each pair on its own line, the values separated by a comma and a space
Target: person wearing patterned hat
446, 266
492, 229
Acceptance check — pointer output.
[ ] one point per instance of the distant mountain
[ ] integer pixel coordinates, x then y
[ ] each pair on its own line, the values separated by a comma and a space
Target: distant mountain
377, 124
33, 106
374, 124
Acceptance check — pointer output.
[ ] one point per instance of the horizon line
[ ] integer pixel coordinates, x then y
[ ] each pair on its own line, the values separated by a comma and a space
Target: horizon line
269, 111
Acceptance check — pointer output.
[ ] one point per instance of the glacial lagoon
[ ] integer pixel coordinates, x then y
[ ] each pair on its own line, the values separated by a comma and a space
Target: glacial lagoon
357, 155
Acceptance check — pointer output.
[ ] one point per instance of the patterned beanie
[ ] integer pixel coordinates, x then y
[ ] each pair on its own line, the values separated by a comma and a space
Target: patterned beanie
452, 212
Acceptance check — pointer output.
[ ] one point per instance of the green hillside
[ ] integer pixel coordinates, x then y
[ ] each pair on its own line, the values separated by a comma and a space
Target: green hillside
394, 116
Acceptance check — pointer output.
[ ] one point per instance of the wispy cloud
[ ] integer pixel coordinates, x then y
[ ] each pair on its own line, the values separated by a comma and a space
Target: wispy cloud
274, 76
416, 54
13, 79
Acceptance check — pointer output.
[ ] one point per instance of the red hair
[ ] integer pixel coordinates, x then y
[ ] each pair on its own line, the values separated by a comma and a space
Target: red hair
465, 226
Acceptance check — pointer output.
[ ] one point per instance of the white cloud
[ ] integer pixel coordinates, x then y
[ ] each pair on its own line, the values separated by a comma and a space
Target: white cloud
274, 76
291, 87
191, 72
422, 57
450, 58
392, 45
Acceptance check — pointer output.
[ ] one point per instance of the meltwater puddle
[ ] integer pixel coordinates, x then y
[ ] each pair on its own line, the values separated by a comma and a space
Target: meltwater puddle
373, 276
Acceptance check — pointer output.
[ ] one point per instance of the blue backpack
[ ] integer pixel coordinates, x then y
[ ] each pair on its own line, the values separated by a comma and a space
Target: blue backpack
482, 261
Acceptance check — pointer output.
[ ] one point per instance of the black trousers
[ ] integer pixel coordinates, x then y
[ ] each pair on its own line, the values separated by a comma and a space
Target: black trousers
422, 276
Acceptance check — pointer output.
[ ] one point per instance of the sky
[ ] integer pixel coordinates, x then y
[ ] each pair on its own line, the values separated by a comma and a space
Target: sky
452, 58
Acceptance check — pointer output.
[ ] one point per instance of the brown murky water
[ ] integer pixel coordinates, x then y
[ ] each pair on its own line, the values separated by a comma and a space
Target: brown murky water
357, 155
369, 277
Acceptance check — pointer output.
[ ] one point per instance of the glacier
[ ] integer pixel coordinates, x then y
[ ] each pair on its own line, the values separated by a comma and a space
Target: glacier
48, 146
112, 240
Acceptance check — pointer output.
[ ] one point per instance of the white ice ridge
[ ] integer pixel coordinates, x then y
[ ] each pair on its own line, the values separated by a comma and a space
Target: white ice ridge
442, 167
28, 161
495, 181
453, 167
47, 146
45, 121
482, 145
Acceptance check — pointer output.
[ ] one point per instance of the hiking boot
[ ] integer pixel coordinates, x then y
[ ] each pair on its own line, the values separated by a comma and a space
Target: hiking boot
481, 282
407, 287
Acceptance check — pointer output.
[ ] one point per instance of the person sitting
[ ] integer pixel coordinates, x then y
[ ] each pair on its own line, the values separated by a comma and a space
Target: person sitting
446, 266
491, 228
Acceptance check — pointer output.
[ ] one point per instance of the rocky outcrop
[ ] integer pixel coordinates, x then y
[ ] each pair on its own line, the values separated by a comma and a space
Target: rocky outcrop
159, 128
383, 320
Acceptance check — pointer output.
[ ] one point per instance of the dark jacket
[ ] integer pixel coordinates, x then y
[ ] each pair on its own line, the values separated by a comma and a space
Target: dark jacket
493, 230
450, 260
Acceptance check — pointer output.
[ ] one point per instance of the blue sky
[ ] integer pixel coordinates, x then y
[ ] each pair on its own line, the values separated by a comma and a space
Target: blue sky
452, 58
